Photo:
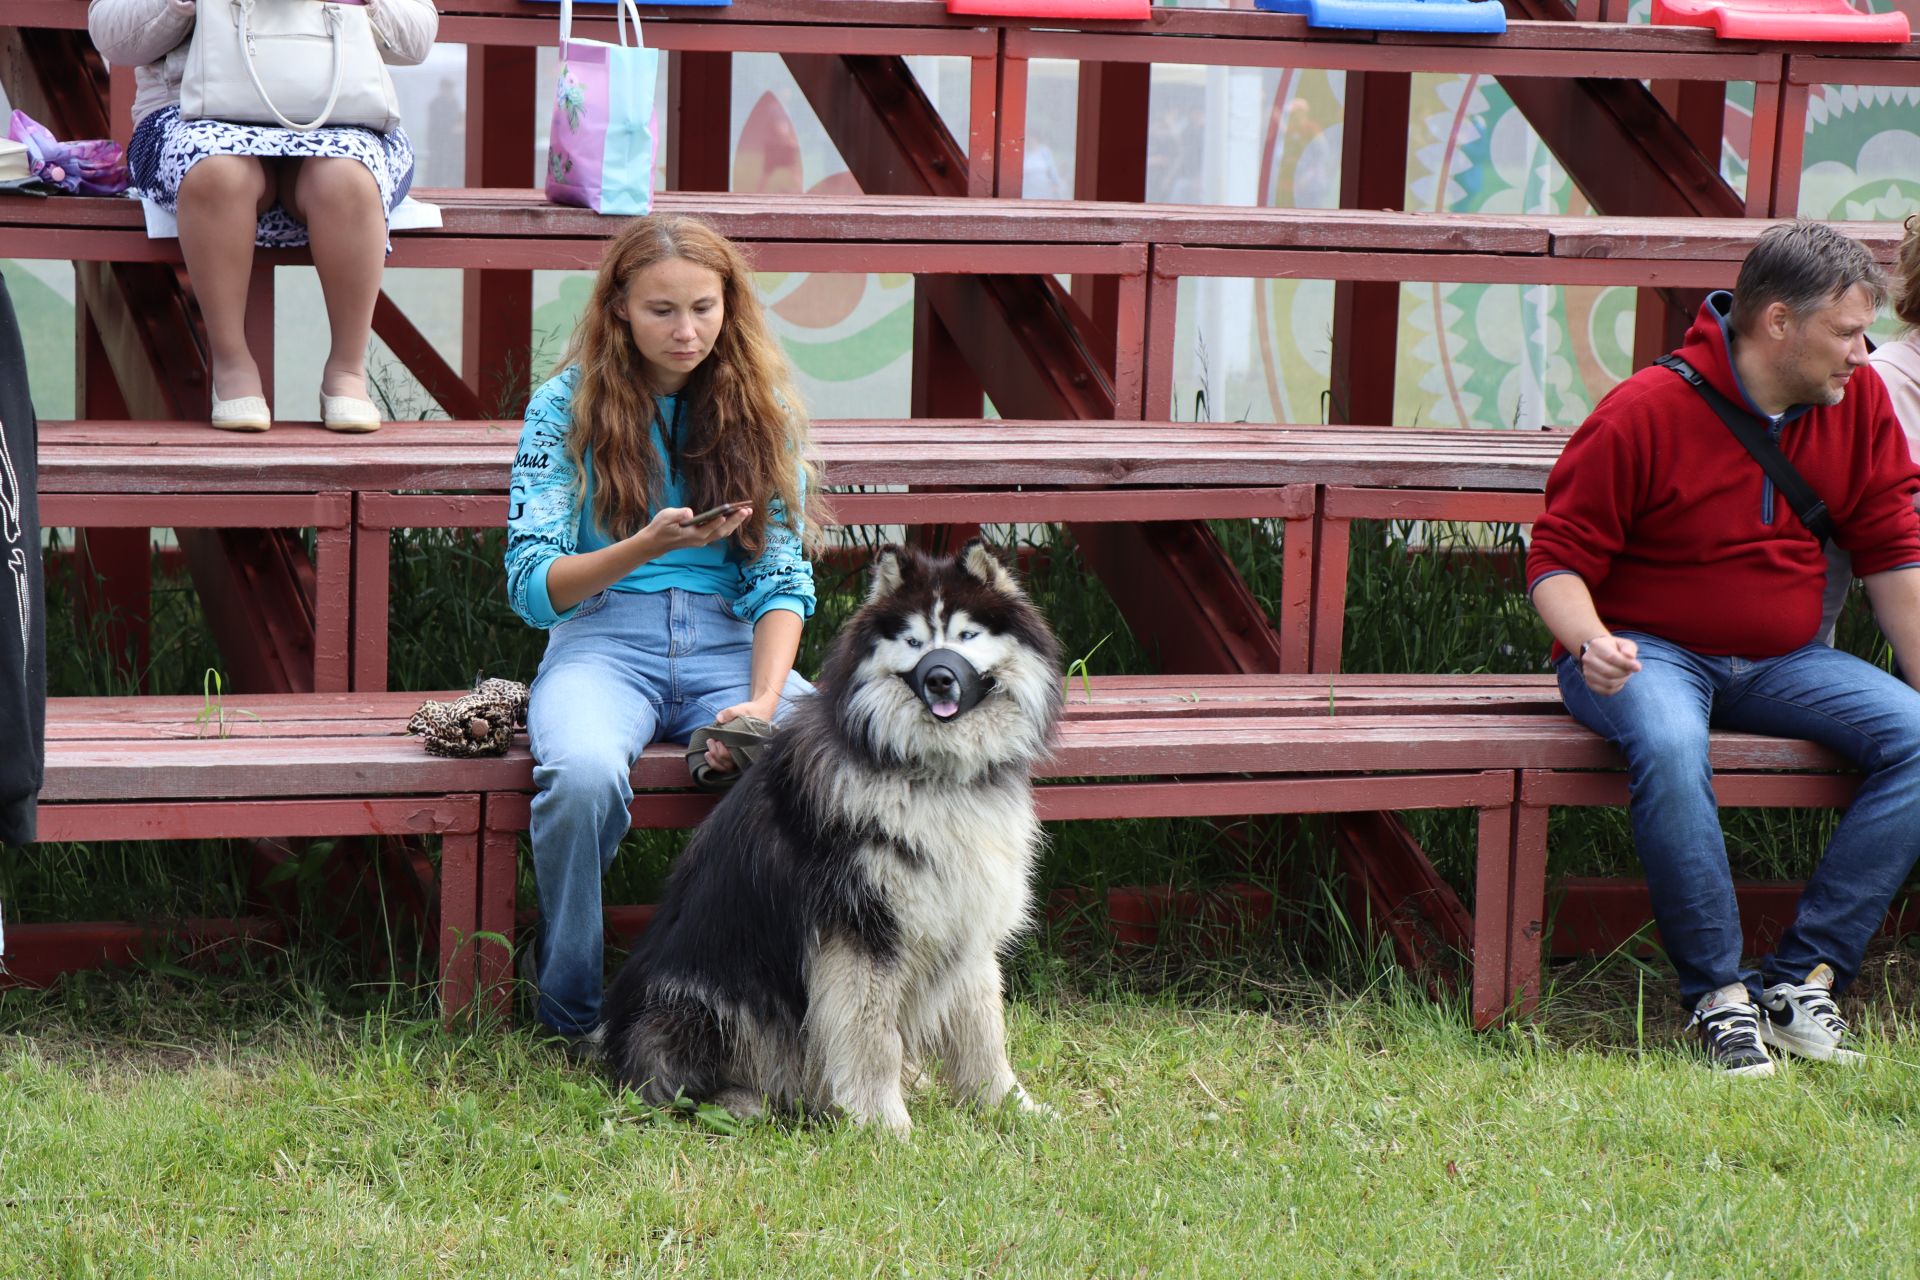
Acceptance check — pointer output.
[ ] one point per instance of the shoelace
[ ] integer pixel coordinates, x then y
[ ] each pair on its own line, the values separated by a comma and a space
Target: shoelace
1732, 1026
1818, 1003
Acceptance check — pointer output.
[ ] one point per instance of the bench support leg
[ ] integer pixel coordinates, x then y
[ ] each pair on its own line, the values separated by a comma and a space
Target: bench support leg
493, 961
459, 920
372, 551
1509, 912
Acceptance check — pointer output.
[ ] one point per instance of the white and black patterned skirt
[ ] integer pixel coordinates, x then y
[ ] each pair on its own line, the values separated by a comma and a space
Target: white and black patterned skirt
164, 147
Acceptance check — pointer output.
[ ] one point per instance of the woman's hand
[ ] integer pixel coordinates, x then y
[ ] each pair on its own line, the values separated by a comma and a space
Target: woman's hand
666, 532
718, 756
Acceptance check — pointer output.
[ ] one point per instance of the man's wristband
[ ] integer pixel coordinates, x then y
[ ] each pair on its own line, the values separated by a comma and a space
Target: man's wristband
1584, 646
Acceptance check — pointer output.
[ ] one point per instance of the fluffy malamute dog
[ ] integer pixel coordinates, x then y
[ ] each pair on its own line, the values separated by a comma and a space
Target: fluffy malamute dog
839, 918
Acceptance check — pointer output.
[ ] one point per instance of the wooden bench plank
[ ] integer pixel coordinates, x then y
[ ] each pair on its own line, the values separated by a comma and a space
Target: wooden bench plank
111, 720
899, 232
186, 457
329, 758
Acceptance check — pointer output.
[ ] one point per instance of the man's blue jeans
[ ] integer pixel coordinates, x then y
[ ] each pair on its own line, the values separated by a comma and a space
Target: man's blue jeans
629, 668
1659, 721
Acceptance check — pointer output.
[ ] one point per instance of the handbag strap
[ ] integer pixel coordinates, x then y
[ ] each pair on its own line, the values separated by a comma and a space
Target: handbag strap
621, 10
1759, 442
245, 7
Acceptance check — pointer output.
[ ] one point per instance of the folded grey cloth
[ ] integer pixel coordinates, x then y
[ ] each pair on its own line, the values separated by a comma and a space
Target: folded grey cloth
744, 736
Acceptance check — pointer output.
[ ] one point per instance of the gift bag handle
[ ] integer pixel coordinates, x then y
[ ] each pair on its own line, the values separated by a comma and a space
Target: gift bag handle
621, 10
244, 8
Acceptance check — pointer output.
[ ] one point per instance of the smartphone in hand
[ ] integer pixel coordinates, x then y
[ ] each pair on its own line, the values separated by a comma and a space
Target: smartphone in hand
720, 512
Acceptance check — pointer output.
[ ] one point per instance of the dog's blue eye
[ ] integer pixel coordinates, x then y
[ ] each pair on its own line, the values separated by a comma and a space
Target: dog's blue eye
912, 643
969, 635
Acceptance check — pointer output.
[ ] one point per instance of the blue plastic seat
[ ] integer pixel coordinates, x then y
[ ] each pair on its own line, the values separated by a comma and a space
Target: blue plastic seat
1472, 17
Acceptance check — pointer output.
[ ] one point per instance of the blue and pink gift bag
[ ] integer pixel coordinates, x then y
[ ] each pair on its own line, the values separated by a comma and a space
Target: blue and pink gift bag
601, 145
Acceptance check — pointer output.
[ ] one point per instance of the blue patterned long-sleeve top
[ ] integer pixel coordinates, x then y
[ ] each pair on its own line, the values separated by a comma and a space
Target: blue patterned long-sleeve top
546, 519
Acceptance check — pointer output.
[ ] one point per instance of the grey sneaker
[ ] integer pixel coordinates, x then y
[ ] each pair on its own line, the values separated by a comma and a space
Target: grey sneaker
1728, 1027
1801, 1018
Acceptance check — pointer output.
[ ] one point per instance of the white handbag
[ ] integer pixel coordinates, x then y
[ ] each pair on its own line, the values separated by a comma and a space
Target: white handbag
321, 59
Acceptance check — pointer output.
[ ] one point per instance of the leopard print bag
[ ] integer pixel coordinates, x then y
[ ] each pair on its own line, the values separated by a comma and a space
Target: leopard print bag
480, 723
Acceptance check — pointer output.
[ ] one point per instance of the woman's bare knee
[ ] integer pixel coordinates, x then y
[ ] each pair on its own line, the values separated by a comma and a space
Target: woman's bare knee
225, 181
333, 187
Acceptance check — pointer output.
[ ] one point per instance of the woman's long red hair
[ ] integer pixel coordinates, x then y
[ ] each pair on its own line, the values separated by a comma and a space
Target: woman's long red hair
744, 435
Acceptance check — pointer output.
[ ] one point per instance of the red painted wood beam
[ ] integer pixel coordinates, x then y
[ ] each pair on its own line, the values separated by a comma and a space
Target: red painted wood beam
422, 359
1617, 143
112, 567
1634, 155
884, 127
1366, 314
1393, 886
497, 306
1595, 917
944, 386
1028, 343
257, 589
39, 954
699, 121
1110, 163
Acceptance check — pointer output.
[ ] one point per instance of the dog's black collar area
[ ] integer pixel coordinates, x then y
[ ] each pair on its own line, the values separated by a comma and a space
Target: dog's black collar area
948, 684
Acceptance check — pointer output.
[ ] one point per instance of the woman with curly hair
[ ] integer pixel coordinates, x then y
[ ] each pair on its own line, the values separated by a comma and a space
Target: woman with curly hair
656, 525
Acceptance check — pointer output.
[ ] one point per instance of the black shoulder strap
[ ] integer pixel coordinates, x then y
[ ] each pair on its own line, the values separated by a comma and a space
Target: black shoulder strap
1759, 442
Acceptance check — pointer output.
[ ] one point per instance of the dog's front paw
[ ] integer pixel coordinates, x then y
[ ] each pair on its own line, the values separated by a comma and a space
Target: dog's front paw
1019, 1100
890, 1114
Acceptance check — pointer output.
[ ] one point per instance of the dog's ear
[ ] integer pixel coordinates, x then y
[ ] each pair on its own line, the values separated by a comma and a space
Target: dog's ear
981, 563
888, 572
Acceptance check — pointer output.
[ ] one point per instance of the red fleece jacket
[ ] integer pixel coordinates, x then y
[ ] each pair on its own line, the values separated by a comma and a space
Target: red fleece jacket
1678, 532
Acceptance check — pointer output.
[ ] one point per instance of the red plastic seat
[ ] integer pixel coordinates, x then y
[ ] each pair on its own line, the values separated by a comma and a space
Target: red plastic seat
1121, 10
1816, 20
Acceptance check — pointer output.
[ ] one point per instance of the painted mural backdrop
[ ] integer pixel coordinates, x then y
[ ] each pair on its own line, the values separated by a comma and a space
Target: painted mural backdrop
1470, 354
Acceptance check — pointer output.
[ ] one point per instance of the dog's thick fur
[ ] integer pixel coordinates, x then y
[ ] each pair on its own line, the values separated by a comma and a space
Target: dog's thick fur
839, 918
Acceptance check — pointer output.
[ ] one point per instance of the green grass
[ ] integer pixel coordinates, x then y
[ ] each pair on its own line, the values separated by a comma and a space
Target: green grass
1292, 1106
1276, 1126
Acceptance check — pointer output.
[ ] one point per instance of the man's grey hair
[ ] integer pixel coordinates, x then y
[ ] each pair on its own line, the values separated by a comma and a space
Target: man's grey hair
1806, 265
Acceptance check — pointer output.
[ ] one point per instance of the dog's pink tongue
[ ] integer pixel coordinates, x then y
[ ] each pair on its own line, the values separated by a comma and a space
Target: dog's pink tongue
946, 710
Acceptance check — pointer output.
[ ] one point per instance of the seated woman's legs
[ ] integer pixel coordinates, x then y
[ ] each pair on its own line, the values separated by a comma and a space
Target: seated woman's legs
589, 718
339, 203
221, 200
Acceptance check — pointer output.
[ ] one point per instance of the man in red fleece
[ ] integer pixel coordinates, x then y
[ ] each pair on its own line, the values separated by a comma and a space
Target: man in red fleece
1683, 591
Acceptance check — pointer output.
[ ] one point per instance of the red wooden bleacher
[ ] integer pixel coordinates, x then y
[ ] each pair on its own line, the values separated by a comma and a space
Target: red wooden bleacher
1311, 743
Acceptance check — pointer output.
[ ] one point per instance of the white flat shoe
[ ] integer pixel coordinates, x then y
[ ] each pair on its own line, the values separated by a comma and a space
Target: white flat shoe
246, 413
348, 413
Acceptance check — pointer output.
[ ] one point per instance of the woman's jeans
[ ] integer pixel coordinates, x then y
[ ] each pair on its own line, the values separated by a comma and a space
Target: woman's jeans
1659, 721
628, 669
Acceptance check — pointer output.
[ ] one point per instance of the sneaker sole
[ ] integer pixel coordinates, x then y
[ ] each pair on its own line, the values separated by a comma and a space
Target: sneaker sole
1758, 1071
1808, 1049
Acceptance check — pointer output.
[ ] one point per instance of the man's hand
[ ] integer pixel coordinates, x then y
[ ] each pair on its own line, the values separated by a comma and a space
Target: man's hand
1608, 662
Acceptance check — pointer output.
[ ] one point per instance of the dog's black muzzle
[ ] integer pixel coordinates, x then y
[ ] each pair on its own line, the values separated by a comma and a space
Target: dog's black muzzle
948, 684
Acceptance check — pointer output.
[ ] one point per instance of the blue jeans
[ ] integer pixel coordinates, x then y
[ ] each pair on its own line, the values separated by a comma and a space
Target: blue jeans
1659, 721
628, 669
